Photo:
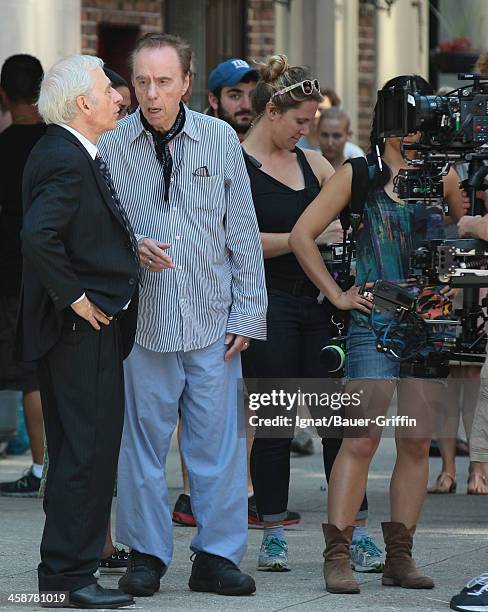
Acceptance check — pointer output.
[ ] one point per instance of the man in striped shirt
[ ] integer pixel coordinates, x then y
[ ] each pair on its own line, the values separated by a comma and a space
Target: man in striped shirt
182, 180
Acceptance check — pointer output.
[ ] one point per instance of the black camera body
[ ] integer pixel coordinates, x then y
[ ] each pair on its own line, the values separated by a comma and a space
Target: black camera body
412, 185
458, 121
454, 129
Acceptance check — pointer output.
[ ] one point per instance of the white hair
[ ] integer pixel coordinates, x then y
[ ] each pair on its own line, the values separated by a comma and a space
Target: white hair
63, 83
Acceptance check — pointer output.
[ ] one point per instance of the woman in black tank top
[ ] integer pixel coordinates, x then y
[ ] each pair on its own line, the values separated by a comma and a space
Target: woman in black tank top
284, 180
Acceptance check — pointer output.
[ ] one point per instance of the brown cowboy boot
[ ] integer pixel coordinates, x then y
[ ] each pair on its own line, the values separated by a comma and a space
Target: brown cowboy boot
337, 565
400, 569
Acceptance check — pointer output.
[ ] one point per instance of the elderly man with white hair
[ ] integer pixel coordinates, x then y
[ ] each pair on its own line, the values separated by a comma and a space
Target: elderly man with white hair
77, 318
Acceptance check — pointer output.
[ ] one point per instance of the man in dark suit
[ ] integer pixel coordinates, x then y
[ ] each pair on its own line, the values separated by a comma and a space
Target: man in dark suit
77, 318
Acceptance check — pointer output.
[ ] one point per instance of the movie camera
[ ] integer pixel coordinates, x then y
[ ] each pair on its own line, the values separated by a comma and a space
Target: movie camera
454, 130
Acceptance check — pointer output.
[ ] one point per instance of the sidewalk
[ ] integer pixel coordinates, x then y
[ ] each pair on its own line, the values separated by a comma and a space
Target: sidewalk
451, 544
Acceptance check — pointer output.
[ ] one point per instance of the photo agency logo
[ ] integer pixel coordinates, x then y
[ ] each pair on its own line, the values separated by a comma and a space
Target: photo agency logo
278, 407
292, 400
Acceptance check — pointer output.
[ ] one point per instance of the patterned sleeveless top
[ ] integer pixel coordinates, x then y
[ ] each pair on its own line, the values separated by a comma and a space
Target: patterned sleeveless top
391, 231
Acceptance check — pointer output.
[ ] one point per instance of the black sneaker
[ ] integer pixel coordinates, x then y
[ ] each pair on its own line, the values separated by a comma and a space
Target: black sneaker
115, 563
253, 520
26, 486
182, 512
142, 575
473, 597
214, 574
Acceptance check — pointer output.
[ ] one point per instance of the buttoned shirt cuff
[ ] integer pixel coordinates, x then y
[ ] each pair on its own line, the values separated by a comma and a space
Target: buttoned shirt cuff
79, 299
246, 325
139, 236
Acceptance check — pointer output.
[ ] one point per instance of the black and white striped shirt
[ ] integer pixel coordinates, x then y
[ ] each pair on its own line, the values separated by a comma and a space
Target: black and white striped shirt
217, 285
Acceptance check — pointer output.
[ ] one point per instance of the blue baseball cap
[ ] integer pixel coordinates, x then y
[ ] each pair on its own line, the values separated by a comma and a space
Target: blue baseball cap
229, 73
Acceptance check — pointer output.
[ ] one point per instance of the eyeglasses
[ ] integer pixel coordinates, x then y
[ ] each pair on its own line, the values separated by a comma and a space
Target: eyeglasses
308, 86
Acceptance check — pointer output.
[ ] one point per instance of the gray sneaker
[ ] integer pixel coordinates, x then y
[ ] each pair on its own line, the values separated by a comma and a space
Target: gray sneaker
273, 556
366, 556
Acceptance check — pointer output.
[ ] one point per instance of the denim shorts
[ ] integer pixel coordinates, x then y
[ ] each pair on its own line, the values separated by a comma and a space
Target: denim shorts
364, 361
362, 358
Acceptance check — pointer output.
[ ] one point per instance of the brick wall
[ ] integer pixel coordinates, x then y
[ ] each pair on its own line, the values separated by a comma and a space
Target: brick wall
260, 28
144, 13
366, 71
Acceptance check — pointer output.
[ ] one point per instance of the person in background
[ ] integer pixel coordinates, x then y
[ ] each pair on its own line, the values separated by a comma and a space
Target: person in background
334, 130
477, 227
122, 87
311, 141
463, 381
474, 596
230, 87
20, 80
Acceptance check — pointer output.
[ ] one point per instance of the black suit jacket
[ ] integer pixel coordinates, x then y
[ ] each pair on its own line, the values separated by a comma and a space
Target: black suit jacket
73, 242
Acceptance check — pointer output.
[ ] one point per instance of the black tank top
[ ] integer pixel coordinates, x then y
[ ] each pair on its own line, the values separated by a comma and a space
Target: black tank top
278, 208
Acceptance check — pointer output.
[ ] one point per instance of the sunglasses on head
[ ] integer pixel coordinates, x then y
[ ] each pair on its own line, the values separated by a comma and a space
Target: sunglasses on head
308, 86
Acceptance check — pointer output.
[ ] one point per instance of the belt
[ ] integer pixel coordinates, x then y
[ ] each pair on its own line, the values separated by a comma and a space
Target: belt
296, 288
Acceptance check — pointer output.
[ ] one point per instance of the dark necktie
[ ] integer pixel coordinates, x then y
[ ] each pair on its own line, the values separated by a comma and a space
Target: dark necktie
105, 172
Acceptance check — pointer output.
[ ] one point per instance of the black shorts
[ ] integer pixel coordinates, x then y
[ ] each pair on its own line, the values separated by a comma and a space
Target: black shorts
14, 375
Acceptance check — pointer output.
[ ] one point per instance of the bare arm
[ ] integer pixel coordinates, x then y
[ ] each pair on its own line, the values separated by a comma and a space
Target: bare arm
322, 168
275, 245
454, 195
331, 200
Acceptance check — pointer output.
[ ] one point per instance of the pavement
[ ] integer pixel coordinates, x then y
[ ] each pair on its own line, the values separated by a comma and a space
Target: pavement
451, 545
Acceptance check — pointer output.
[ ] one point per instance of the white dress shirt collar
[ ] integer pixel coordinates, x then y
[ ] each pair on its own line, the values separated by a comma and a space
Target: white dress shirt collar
89, 146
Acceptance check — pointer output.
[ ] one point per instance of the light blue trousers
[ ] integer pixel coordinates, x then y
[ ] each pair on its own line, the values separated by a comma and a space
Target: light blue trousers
204, 387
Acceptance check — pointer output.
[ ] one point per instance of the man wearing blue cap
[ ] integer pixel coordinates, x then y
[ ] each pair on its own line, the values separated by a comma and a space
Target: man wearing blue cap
230, 86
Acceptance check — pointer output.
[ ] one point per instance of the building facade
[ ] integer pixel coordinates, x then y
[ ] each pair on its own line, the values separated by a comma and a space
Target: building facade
353, 46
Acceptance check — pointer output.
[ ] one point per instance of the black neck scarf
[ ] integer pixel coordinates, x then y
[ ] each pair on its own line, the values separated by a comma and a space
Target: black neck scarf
161, 144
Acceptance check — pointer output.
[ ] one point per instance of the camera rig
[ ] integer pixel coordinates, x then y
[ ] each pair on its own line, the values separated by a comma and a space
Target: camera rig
454, 129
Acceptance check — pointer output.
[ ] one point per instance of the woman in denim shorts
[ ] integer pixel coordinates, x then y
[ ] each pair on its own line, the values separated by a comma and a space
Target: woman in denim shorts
391, 229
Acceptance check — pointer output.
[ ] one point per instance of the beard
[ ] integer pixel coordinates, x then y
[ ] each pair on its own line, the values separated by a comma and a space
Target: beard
240, 126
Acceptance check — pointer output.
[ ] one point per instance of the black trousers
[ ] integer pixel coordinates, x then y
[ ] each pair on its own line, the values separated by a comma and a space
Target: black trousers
297, 330
82, 392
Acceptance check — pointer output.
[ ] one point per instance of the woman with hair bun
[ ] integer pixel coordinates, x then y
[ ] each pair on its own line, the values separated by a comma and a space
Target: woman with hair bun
284, 180
391, 229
